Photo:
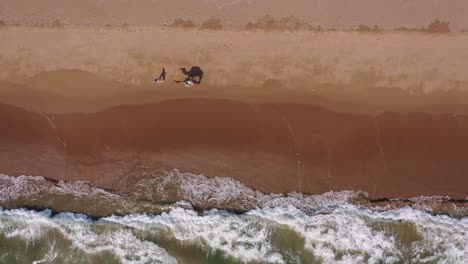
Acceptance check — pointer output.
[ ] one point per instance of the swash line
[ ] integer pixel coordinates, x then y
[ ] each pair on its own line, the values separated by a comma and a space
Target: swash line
64, 144
297, 151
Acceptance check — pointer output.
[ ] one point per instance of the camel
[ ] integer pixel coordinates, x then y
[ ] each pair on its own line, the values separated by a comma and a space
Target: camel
195, 71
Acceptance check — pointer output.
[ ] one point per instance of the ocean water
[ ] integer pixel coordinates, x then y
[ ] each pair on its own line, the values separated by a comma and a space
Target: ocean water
253, 227
347, 234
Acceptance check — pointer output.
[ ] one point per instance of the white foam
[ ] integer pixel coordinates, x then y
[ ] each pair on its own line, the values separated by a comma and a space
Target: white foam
228, 193
50, 256
80, 189
246, 241
15, 187
224, 192
208, 192
343, 235
343, 231
346, 232
24, 224
30, 225
12, 188
441, 233
333, 230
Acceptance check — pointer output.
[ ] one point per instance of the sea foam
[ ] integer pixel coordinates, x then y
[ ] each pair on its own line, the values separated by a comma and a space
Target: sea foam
81, 232
343, 234
228, 193
12, 188
347, 234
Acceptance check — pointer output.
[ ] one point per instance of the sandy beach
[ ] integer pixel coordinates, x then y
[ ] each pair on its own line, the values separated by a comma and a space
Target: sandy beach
321, 132
315, 112
80, 69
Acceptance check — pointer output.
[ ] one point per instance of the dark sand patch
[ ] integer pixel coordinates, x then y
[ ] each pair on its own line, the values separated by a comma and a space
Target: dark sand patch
271, 147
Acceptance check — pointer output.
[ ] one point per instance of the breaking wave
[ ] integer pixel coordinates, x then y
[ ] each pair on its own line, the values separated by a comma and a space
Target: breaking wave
174, 217
163, 190
347, 234
72, 238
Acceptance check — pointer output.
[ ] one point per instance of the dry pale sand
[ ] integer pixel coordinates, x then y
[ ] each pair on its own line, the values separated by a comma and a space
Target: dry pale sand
236, 13
248, 58
88, 68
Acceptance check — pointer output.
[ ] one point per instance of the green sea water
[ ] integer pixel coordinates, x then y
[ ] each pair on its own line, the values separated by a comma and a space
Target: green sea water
346, 234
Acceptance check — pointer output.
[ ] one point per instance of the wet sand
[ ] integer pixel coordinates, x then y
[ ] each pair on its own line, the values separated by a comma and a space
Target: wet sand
269, 147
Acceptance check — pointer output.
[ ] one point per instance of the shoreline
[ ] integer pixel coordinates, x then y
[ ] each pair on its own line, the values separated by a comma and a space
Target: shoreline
178, 191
